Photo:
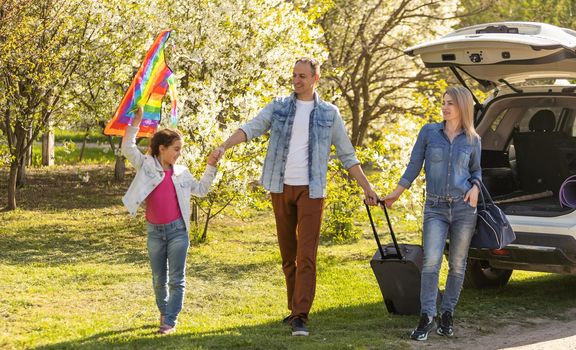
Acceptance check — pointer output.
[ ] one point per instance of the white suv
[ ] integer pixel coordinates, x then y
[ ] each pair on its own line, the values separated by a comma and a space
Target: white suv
528, 130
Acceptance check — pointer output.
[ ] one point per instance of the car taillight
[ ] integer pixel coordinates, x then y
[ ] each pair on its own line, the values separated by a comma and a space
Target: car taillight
499, 251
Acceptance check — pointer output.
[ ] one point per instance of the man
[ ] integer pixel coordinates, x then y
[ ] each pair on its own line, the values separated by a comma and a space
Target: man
302, 130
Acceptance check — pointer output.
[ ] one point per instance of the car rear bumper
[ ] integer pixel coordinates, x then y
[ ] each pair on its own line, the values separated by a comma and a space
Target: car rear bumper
533, 252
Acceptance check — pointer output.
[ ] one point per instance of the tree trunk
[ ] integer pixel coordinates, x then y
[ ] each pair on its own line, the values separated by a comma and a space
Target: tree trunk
84, 144
119, 168
21, 175
111, 142
205, 232
194, 213
12, 186
48, 148
18, 164
28, 159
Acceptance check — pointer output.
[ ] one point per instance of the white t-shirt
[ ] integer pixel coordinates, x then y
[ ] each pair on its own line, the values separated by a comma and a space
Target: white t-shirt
296, 172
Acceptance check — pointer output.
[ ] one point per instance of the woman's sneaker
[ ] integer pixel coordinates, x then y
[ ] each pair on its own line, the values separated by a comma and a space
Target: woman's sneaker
445, 326
424, 327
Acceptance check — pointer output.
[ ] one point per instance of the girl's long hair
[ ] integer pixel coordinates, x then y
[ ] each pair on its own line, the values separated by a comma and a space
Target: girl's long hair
465, 104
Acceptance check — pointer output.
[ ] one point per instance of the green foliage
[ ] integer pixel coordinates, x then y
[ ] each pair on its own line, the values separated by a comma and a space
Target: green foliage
55, 61
4, 155
557, 12
231, 58
344, 197
370, 78
121, 31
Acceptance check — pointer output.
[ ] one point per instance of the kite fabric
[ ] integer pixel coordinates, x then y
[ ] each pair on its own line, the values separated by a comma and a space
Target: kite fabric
147, 90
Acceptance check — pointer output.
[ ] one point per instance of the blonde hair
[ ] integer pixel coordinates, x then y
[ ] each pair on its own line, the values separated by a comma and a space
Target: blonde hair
465, 103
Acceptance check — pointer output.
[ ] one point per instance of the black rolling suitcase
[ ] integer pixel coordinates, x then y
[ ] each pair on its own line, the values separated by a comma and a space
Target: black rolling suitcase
397, 268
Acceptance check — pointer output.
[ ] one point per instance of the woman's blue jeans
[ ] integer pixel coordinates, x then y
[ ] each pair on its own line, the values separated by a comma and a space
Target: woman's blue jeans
445, 218
167, 248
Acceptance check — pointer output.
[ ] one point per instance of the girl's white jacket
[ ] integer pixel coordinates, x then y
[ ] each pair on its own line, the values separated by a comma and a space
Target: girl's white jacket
149, 174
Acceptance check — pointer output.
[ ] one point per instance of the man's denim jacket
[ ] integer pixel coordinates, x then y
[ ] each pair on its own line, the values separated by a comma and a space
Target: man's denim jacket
326, 129
450, 168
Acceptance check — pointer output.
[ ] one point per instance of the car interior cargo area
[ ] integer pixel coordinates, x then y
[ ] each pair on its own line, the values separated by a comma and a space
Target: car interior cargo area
529, 150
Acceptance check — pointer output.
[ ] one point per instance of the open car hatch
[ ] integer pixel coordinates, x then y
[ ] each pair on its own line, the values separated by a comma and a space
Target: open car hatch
505, 52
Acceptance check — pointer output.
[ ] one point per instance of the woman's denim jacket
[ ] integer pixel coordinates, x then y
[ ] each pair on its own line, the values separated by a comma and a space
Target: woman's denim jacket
149, 174
326, 129
450, 168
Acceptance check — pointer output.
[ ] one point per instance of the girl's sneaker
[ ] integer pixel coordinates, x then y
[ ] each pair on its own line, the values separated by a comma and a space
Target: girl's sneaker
166, 329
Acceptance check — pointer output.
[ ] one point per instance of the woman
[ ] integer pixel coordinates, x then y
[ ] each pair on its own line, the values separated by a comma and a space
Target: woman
450, 151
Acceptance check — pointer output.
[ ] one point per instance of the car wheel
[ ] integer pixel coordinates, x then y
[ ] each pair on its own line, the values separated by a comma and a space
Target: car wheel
479, 274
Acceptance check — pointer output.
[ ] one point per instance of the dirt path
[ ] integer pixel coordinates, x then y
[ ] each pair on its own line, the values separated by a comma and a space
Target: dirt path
531, 334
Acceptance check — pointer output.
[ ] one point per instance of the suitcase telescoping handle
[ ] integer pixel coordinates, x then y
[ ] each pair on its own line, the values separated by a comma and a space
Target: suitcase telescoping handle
398, 252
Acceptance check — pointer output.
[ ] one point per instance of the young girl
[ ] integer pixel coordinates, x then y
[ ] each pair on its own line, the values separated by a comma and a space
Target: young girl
166, 188
450, 151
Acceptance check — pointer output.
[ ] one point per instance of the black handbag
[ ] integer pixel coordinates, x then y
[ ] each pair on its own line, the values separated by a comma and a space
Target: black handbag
493, 230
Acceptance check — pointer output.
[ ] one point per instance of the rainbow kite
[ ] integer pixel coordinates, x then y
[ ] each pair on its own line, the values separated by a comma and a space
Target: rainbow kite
147, 90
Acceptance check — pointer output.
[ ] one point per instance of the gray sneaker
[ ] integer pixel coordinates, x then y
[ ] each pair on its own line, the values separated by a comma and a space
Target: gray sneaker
425, 325
299, 328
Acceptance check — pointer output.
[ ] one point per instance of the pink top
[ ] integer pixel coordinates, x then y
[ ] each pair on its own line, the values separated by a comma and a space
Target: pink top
162, 203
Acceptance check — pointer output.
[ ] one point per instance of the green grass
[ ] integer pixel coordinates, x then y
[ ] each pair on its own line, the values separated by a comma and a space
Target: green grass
74, 275
61, 135
70, 155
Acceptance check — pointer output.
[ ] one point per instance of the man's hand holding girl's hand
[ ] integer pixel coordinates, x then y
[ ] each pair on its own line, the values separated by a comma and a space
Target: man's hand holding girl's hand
214, 157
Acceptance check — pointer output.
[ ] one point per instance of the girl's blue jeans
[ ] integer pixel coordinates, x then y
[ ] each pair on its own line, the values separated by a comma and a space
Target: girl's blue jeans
167, 248
455, 220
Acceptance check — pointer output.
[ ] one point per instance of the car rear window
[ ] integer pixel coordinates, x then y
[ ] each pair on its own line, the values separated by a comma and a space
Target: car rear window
498, 120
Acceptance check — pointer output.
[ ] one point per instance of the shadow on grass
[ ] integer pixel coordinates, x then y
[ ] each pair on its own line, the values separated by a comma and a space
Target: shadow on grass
54, 245
66, 211
69, 187
362, 326
341, 328
548, 295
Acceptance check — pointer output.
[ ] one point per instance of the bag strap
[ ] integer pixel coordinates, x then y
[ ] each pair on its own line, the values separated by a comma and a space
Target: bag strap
398, 252
484, 194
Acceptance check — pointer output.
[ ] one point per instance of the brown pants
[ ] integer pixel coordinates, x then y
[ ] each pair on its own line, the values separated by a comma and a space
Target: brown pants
298, 220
